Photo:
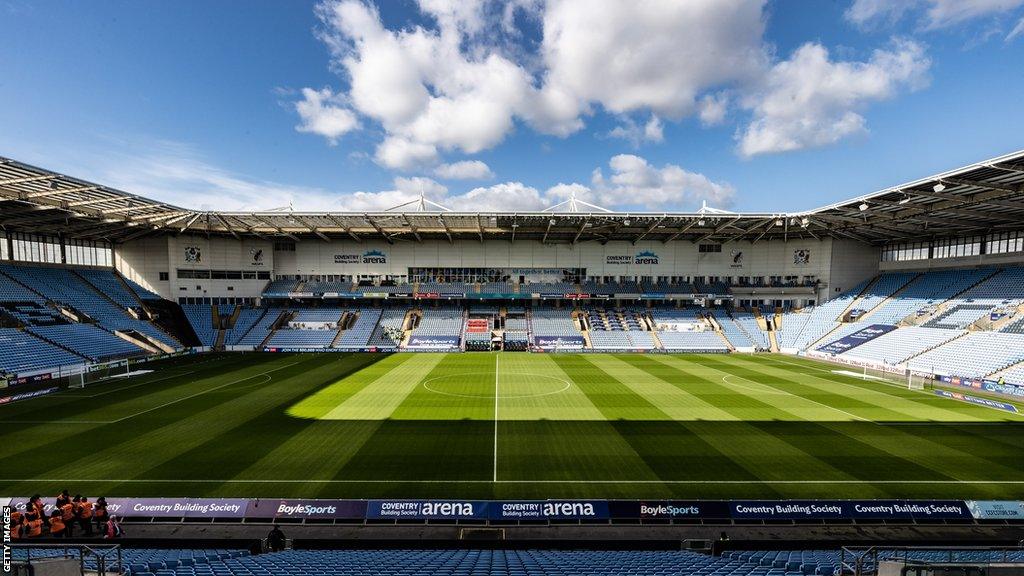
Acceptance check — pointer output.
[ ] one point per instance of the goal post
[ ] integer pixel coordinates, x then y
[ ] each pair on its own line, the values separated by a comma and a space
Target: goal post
100, 371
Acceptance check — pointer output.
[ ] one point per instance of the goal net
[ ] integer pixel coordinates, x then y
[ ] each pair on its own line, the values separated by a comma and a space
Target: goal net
101, 371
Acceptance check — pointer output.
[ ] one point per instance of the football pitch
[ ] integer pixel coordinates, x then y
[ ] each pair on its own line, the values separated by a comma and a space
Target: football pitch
509, 425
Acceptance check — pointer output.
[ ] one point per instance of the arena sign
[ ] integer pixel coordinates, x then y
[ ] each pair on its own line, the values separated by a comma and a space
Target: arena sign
547, 510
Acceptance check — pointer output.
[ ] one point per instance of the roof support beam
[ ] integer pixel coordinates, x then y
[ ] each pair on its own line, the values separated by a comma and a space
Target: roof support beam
649, 229
551, 222
275, 227
60, 191
27, 179
378, 228
681, 231
480, 228
447, 230
716, 230
190, 222
312, 228
227, 226
583, 226
347, 229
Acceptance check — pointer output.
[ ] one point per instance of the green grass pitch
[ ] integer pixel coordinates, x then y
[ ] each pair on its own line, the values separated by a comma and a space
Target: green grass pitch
511, 425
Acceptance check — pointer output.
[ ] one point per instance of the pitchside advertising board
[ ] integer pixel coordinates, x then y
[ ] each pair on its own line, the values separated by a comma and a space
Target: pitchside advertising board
548, 510
862, 336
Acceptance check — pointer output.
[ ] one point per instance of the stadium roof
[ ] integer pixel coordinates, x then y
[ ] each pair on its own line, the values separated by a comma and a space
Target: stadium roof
983, 197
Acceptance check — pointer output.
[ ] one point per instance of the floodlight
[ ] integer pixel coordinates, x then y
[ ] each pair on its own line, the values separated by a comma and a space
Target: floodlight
863, 206
939, 187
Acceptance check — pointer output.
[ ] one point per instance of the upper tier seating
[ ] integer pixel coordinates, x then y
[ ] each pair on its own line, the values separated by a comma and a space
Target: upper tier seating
200, 316
87, 340
107, 282
142, 292
247, 318
281, 286
895, 347
1005, 288
927, 290
886, 285
66, 288
802, 332
259, 332
11, 291
974, 355
23, 352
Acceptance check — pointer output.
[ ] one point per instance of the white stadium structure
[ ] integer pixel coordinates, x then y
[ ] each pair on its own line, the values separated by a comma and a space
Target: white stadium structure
926, 277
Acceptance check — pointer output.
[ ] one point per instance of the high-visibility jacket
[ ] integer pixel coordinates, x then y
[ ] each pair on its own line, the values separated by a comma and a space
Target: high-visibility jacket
57, 525
34, 528
15, 531
67, 512
85, 510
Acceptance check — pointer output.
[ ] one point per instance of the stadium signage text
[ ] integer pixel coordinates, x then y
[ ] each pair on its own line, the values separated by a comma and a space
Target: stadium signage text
646, 257
374, 257
618, 260
543, 510
862, 336
976, 400
347, 259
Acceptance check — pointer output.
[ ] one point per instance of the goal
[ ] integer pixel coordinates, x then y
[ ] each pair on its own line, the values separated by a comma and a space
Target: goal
99, 372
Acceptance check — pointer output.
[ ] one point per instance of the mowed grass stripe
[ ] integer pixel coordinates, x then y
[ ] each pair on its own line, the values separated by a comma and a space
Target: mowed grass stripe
451, 440
566, 450
265, 431
676, 402
372, 394
35, 445
915, 452
765, 456
534, 387
195, 421
930, 406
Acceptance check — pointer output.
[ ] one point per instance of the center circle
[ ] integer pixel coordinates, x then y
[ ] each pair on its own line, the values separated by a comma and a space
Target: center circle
474, 385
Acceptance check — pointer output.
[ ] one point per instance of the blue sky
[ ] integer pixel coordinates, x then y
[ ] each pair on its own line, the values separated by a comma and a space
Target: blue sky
643, 106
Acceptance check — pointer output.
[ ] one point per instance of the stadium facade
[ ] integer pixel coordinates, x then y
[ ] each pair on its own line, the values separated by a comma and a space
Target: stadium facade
575, 277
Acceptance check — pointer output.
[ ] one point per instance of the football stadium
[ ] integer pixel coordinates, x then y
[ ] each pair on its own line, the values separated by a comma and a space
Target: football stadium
577, 385
404, 362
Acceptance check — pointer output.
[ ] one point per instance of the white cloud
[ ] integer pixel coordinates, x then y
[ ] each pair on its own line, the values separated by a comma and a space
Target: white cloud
811, 100
322, 114
1017, 30
431, 90
178, 174
713, 108
464, 79
936, 13
630, 131
405, 190
634, 182
657, 55
508, 196
465, 170
454, 88
404, 154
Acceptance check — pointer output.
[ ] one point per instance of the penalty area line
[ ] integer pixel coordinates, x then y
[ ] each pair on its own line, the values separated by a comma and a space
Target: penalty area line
420, 481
